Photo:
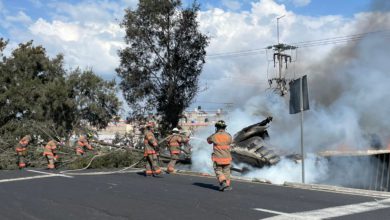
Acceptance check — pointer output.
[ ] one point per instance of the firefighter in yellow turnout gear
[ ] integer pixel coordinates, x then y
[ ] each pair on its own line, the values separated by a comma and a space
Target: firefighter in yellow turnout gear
221, 156
50, 154
150, 151
174, 143
21, 151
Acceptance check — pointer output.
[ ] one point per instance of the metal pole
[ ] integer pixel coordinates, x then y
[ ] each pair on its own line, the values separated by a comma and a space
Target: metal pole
377, 172
277, 25
366, 174
383, 172
279, 55
388, 171
302, 151
371, 178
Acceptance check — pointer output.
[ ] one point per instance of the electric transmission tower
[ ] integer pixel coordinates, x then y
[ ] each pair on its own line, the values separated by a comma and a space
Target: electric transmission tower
280, 60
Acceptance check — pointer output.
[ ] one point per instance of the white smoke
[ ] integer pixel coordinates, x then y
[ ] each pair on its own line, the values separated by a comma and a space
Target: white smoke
201, 151
287, 170
348, 92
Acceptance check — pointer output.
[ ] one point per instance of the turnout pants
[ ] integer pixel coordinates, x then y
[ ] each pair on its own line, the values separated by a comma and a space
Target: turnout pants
222, 172
172, 163
152, 165
22, 159
50, 162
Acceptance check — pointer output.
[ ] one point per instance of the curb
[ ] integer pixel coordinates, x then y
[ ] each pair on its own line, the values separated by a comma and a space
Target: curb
317, 187
339, 189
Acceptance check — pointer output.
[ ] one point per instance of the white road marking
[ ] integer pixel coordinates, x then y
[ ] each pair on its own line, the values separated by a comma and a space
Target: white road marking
331, 212
103, 173
35, 177
26, 178
286, 215
52, 174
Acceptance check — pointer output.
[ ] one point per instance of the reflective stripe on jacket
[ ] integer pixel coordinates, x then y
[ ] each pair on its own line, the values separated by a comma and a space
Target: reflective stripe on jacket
150, 143
221, 141
174, 143
83, 143
20, 147
50, 149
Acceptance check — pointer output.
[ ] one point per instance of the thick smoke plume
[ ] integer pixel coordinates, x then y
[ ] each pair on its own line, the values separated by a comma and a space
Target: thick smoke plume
349, 99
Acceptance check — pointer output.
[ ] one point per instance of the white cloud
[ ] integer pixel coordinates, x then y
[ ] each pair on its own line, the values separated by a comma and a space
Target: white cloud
86, 45
20, 17
88, 34
231, 4
102, 12
243, 79
296, 3
267, 8
64, 31
301, 3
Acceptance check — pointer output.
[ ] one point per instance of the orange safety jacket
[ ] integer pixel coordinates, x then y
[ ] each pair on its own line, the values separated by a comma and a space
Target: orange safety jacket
50, 149
150, 143
221, 141
83, 143
21, 147
174, 143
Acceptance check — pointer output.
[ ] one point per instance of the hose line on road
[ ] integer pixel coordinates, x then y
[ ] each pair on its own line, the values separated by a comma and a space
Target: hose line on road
98, 173
68, 172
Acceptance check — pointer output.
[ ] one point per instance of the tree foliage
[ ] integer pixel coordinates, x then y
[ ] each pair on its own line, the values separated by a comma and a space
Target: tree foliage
94, 100
39, 97
163, 59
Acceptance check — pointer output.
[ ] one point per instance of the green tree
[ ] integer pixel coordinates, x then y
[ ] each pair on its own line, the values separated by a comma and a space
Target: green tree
163, 59
24, 77
38, 96
94, 100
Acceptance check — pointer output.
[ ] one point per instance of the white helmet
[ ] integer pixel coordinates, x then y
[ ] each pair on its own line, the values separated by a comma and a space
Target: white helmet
175, 130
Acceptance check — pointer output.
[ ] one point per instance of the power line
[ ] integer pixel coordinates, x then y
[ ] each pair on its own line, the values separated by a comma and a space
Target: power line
304, 44
238, 53
341, 38
212, 102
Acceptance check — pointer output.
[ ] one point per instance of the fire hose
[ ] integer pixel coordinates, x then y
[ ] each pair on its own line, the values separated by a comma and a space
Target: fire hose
102, 173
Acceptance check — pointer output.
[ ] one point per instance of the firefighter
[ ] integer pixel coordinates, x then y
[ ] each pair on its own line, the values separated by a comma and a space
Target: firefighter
150, 151
83, 144
174, 143
221, 156
50, 153
21, 151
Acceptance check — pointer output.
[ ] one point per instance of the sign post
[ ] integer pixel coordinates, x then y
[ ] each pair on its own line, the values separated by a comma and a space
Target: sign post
299, 102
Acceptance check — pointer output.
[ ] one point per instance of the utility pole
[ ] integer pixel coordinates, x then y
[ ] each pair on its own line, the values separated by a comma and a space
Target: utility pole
279, 56
277, 25
279, 49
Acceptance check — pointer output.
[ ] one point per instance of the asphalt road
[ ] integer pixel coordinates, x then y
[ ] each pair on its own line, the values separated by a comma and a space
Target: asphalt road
134, 196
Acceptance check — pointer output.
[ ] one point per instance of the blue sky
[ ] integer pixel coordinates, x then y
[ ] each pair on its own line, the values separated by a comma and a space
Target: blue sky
45, 8
347, 81
80, 29
308, 7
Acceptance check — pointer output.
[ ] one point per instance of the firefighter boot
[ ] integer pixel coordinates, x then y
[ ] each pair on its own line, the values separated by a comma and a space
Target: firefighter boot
229, 188
223, 185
